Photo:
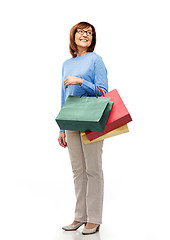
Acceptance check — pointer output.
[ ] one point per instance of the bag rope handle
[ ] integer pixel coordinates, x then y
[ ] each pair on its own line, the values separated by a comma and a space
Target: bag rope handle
101, 90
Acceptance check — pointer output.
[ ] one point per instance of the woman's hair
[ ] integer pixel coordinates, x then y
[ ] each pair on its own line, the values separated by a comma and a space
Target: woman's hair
73, 46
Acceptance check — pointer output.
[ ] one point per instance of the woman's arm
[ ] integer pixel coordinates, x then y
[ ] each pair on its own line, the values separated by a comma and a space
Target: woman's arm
100, 78
62, 94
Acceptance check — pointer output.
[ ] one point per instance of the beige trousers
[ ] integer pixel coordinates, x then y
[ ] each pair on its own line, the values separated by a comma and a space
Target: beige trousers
86, 162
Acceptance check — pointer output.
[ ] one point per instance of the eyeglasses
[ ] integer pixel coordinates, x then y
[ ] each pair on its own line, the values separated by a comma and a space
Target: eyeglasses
82, 31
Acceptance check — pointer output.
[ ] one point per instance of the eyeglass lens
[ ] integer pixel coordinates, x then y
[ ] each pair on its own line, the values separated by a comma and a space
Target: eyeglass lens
82, 31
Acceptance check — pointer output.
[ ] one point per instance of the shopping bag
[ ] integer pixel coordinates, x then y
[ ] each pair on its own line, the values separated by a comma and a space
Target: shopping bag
117, 131
118, 117
84, 113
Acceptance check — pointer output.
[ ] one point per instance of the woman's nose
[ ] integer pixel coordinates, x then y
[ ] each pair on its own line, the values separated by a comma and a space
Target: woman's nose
85, 33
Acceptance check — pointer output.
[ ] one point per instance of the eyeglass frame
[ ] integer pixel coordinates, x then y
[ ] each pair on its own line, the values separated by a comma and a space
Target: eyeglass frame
85, 31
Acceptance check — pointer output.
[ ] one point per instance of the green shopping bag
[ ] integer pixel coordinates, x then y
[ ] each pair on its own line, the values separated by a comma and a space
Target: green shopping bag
84, 113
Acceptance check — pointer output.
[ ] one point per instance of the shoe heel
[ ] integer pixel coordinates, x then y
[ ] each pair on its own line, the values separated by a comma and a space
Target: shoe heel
97, 230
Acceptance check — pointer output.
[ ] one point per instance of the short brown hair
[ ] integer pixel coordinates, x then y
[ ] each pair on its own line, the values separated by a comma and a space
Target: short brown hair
72, 44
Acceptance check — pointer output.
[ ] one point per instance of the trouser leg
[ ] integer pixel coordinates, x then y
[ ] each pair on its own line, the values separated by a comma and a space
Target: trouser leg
95, 181
79, 173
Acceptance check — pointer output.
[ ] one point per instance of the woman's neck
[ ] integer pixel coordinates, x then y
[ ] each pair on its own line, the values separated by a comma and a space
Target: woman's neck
81, 52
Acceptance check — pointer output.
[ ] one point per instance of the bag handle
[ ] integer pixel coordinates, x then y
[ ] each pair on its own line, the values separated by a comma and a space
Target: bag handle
83, 94
96, 90
101, 90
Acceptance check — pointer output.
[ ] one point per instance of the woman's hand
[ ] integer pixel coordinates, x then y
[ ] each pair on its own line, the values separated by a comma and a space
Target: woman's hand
70, 80
61, 139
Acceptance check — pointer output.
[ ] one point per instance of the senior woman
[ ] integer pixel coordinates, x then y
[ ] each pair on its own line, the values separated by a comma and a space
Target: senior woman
80, 74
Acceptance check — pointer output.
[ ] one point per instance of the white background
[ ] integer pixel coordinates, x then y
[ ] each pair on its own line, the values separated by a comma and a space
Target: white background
36, 184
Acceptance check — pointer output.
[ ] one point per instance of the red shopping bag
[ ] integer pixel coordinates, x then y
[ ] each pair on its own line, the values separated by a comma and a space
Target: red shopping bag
118, 117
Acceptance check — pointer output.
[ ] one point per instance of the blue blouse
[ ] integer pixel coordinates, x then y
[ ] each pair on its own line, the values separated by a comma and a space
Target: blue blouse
91, 69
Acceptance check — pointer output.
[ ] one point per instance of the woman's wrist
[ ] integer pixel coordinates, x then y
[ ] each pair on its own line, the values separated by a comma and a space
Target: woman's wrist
80, 81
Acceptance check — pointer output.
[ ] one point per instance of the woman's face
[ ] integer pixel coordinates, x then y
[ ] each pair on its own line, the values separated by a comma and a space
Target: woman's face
83, 38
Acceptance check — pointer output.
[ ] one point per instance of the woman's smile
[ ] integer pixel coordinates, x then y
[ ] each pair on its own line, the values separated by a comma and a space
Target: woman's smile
84, 40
